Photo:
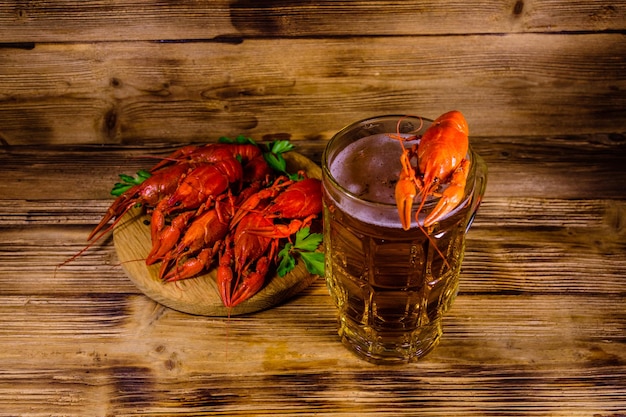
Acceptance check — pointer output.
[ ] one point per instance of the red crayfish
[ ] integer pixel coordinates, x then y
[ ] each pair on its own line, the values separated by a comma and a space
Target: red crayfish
441, 159
218, 201
248, 252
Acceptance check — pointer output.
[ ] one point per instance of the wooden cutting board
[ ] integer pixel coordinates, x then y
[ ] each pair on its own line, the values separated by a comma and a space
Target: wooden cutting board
200, 295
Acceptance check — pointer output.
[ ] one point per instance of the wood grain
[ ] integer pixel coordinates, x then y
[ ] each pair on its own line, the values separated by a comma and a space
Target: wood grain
201, 294
559, 167
221, 20
142, 92
537, 329
88, 88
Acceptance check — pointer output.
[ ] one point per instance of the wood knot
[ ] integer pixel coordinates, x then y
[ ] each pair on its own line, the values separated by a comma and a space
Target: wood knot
115, 82
110, 123
518, 8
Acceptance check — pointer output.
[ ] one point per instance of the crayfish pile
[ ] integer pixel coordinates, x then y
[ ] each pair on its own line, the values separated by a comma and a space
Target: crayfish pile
225, 205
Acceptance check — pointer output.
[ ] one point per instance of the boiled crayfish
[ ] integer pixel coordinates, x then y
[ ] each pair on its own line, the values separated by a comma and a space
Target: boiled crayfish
441, 159
218, 202
264, 218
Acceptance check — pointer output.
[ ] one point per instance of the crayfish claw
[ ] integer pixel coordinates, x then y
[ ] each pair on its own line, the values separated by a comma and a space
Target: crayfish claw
451, 197
405, 193
251, 284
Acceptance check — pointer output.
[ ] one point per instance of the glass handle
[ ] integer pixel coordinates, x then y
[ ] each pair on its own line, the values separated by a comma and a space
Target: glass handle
479, 189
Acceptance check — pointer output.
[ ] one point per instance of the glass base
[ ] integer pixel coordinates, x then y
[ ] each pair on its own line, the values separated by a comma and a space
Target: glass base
389, 347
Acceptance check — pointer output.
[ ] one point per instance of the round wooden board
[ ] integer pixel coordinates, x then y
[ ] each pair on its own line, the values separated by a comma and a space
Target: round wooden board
200, 295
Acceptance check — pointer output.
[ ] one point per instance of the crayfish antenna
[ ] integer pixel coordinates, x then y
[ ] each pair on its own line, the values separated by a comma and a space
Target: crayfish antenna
93, 237
113, 213
176, 156
93, 240
75, 256
96, 234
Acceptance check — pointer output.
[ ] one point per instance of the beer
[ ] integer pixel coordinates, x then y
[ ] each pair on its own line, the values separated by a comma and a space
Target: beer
391, 286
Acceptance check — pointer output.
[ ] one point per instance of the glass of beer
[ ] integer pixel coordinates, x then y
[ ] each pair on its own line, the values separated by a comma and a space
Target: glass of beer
391, 286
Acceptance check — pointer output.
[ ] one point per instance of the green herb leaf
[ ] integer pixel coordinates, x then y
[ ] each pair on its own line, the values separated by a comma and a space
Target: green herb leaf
287, 261
240, 139
119, 189
276, 162
274, 157
127, 179
314, 262
306, 241
305, 245
281, 146
295, 177
129, 182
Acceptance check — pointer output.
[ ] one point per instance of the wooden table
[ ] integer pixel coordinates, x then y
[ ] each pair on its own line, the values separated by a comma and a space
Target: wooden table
538, 329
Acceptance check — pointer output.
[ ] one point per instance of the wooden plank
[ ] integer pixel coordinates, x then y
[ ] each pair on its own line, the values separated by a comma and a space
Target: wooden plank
554, 167
137, 92
96, 20
563, 167
533, 354
550, 247
33, 262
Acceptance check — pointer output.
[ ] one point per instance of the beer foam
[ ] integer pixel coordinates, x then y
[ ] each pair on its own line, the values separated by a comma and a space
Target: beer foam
369, 169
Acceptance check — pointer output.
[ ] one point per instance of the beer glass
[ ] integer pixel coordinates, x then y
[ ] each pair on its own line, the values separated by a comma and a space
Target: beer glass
391, 286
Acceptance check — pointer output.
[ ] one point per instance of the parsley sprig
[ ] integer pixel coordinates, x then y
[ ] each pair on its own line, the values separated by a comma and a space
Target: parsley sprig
240, 140
305, 246
129, 182
275, 159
